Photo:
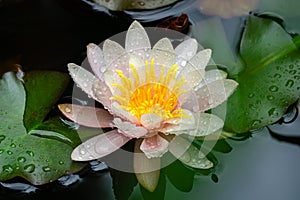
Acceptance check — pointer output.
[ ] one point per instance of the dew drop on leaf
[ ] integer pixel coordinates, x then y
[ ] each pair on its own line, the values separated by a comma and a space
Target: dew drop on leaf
29, 168
289, 83
270, 97
46, 169
2, 137
273, 88
9, 152
273, 112
21, 159
277, 76
251, 95
8, 168
255, 122
13, 145
30, 153
1, 151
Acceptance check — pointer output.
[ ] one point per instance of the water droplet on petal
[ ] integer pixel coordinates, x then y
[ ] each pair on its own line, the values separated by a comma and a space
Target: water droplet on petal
185, 157
68, 109
102, 69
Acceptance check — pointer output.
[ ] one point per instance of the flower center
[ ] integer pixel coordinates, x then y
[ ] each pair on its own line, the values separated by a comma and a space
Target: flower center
153, 98
150, 93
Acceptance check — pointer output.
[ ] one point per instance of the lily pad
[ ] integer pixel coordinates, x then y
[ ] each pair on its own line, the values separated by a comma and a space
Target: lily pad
133, 4
270, 79
31, 146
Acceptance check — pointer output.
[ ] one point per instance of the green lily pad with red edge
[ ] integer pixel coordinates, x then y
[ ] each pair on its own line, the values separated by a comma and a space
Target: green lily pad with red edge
31, 145
270, 79
119, 5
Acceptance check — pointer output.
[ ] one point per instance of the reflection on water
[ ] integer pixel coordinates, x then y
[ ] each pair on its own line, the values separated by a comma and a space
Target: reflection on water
263, 164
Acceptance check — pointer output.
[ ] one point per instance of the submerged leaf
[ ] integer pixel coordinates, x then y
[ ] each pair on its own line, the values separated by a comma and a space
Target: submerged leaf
133, 4
42, 154
270, 80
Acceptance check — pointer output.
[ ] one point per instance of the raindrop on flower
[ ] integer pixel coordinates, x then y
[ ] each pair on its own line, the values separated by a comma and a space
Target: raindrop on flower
183, 63
186, 157
102, 69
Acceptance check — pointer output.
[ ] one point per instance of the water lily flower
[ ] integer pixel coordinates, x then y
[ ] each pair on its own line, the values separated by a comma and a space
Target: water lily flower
228, 8
155, 94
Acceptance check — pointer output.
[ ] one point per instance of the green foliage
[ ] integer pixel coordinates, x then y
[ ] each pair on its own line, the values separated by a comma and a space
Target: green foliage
270, 79
31, 146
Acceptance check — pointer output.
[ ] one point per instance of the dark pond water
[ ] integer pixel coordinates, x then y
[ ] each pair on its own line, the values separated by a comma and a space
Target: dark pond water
48, 34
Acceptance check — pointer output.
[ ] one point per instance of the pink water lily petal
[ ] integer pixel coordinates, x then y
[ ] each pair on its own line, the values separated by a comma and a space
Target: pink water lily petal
187, 153
87, 116
151, 121
99, 146
194, 71
96, 60
203, 125
129, 129
211, 76
215, 93
163, 53
115, 56
83, 78
181, 125
102, 94
120, 112
154, 146
137, 41
147, 170
185, 51
206, 124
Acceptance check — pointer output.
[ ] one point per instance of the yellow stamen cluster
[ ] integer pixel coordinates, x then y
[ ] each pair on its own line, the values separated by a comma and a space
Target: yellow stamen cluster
151, 94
